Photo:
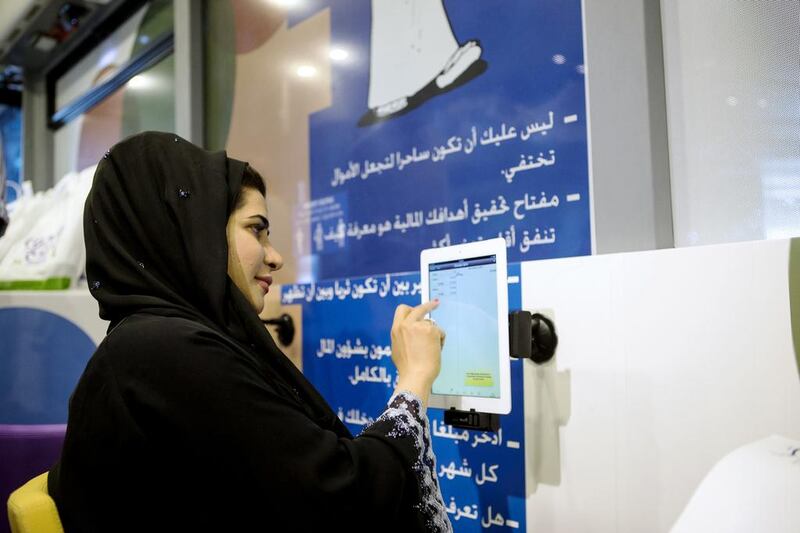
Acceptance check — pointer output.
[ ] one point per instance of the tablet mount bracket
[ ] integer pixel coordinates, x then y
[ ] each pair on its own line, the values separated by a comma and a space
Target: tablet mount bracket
472, 419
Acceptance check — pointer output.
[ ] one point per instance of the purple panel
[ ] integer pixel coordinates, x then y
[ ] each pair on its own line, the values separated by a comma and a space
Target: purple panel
26, 451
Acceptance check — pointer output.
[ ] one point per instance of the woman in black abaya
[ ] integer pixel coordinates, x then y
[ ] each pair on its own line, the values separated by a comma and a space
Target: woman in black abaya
188, 417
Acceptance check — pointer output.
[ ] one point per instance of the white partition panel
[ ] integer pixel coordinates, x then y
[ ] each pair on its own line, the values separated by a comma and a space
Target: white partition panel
671, 360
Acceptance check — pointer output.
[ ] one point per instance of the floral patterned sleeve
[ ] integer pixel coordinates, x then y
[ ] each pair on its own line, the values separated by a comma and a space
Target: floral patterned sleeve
407, 420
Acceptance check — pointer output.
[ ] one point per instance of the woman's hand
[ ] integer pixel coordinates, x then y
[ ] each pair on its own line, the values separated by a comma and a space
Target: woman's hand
416, 348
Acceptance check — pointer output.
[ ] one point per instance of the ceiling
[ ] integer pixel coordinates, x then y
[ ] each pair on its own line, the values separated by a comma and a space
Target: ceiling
36, 34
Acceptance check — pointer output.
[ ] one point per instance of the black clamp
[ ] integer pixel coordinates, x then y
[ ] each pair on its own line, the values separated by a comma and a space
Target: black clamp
531, 336
285, 326
472, 419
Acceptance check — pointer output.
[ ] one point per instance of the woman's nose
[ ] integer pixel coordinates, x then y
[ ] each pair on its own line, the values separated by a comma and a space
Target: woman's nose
273, 259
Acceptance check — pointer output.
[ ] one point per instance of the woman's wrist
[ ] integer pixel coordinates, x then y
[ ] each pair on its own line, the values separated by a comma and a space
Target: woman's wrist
419, 388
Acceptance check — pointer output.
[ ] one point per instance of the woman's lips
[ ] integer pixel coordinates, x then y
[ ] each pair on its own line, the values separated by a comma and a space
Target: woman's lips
264, 283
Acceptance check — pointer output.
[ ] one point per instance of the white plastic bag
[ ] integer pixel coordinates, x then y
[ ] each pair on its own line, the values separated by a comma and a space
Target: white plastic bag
47, 250
26, 208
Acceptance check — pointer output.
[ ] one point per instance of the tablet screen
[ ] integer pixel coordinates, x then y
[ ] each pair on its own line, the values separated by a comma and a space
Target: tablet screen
467, 290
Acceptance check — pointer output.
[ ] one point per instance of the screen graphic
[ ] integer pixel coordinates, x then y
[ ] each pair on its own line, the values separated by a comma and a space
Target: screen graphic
467, 290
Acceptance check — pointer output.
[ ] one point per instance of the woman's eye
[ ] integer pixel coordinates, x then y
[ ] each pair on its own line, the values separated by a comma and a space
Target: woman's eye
258, 229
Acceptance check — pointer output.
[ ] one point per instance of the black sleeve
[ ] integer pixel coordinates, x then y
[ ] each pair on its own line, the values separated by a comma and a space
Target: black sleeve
211, 412
404, 418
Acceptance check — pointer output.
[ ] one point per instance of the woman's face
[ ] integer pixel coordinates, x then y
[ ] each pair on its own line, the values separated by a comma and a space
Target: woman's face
251, 257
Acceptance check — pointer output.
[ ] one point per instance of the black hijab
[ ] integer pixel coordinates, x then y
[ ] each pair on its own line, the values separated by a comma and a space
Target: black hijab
155, 230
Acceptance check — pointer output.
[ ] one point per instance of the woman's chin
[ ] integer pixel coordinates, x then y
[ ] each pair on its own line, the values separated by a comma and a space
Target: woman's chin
257, 300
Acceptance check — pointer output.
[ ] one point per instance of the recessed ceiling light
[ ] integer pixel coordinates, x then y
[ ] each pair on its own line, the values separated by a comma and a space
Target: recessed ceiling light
338, 54
306, 71
285, 3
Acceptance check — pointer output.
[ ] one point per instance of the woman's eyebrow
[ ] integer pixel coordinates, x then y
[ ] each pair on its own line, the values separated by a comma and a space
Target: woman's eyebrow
263, 219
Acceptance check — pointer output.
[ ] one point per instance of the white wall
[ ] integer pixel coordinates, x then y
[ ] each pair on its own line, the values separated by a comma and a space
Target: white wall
76, 306
673, 359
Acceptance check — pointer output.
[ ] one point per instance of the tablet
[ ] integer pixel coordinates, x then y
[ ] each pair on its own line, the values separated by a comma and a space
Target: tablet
470, 282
